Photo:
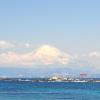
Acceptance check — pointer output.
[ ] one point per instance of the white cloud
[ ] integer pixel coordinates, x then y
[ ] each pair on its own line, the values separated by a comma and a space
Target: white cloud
4, 44
46, 55
27, 45
23, 45
94, 54
88, 60
12, 58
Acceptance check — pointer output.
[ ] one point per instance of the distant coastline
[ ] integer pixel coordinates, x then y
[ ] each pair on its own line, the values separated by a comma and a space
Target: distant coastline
82, 80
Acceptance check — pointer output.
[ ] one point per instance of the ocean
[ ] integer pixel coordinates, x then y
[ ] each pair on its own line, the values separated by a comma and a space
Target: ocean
13, 90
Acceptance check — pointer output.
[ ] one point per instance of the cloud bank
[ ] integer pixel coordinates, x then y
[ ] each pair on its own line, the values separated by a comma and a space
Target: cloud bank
45, 55
8, 45
4, 44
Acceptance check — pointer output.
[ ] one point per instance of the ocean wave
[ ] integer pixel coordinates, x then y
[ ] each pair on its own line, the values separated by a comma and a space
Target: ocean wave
32, 92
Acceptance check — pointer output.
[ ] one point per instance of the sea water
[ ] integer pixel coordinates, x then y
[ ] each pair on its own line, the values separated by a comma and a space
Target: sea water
49, 91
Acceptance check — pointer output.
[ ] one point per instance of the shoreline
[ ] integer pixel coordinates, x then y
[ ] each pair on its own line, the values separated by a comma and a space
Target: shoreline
75, 80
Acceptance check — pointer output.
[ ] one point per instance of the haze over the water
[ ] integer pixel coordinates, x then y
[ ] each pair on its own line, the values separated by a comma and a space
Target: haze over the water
42, 37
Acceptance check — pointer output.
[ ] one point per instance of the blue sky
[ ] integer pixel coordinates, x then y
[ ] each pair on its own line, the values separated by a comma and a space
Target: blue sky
75, 22
69, 25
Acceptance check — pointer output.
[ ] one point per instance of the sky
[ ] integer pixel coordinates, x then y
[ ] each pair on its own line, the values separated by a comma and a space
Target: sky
42, 37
